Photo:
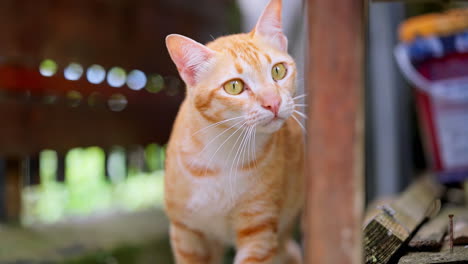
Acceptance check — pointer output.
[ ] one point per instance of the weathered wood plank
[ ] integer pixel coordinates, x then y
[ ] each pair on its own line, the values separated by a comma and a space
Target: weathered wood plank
394, 223
431, 235
460, 226
459, 256
335, 87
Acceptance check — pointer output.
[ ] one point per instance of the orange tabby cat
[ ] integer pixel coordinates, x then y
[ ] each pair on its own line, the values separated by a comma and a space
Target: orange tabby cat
235, 157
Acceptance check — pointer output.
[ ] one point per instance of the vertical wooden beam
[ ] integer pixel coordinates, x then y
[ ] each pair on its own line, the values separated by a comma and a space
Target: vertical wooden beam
13, 187
34, 170
2, 191
335, 87
61, 166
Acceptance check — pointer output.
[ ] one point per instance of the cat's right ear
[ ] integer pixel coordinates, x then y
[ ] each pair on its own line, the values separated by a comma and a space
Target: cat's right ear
190, 57
269, 26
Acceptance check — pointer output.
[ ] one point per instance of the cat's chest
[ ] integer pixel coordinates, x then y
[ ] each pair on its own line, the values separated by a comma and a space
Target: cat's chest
219, 193
212, 201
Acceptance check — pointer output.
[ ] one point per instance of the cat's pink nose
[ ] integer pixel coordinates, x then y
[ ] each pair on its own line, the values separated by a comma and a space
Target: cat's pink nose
272, 102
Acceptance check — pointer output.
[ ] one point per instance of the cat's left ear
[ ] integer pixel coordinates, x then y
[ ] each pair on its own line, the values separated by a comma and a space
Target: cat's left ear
269, 26
191, 58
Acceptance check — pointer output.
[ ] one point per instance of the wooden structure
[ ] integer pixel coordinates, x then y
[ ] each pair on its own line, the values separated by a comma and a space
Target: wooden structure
459, 255
40, 112
431, 243
389, 226
335, 87
128, 34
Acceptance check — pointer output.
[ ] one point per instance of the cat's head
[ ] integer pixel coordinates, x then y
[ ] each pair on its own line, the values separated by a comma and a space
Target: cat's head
249, 78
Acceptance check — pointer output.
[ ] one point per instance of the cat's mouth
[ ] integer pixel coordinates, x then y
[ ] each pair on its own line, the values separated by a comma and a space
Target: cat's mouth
274, 120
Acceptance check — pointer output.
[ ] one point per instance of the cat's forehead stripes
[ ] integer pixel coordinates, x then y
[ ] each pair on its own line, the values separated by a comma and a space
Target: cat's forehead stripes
239, 68
242, 49
267, 57
249, 53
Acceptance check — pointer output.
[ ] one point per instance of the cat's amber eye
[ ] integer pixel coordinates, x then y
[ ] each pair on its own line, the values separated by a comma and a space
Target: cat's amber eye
234, 87
278, 72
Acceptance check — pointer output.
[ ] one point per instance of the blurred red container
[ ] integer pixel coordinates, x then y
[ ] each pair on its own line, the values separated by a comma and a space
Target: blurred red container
437, 65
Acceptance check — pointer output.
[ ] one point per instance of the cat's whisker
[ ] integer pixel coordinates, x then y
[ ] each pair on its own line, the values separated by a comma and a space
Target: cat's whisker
242, 135
241, 158
255, 150
220, 134
249, 147
300, 114
239, 149
301, 105
224, 142
237, 158
217, 124
299, 96
258, 166
300, 124
246, 149
231, 190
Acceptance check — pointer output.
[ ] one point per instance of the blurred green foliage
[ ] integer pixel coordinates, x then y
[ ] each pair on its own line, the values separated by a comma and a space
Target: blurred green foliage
48, 166
155, 156
116, 165
86, 191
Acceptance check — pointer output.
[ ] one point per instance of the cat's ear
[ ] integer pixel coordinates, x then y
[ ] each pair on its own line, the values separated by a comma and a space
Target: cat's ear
190, 57
269, 26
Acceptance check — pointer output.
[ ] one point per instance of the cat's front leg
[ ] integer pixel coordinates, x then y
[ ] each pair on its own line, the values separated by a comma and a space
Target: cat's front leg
191, 246
257, 241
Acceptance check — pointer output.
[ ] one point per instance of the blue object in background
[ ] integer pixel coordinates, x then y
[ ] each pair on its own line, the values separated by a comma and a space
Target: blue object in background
435, 47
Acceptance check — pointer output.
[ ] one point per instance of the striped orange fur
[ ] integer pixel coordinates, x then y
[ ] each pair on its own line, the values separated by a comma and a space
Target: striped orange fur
235, 157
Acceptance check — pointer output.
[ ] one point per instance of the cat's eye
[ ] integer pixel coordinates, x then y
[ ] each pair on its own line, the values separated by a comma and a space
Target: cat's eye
278, 72
234, 87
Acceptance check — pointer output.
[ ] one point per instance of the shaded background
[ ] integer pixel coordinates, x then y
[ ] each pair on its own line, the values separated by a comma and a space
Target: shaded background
81, 160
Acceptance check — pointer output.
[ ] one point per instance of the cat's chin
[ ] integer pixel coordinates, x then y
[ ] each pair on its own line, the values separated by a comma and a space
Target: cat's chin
271, 126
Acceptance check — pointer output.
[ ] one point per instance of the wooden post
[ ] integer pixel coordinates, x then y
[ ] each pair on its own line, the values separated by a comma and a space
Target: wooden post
2, 191
335, 87
13, 186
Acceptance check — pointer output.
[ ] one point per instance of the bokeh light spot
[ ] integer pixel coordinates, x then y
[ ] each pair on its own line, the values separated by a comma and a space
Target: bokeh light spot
173, 85
48, 68
73, 71
136, 80
116, 77
96, 74
155, 83
74, 98
117, 102
94, 99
